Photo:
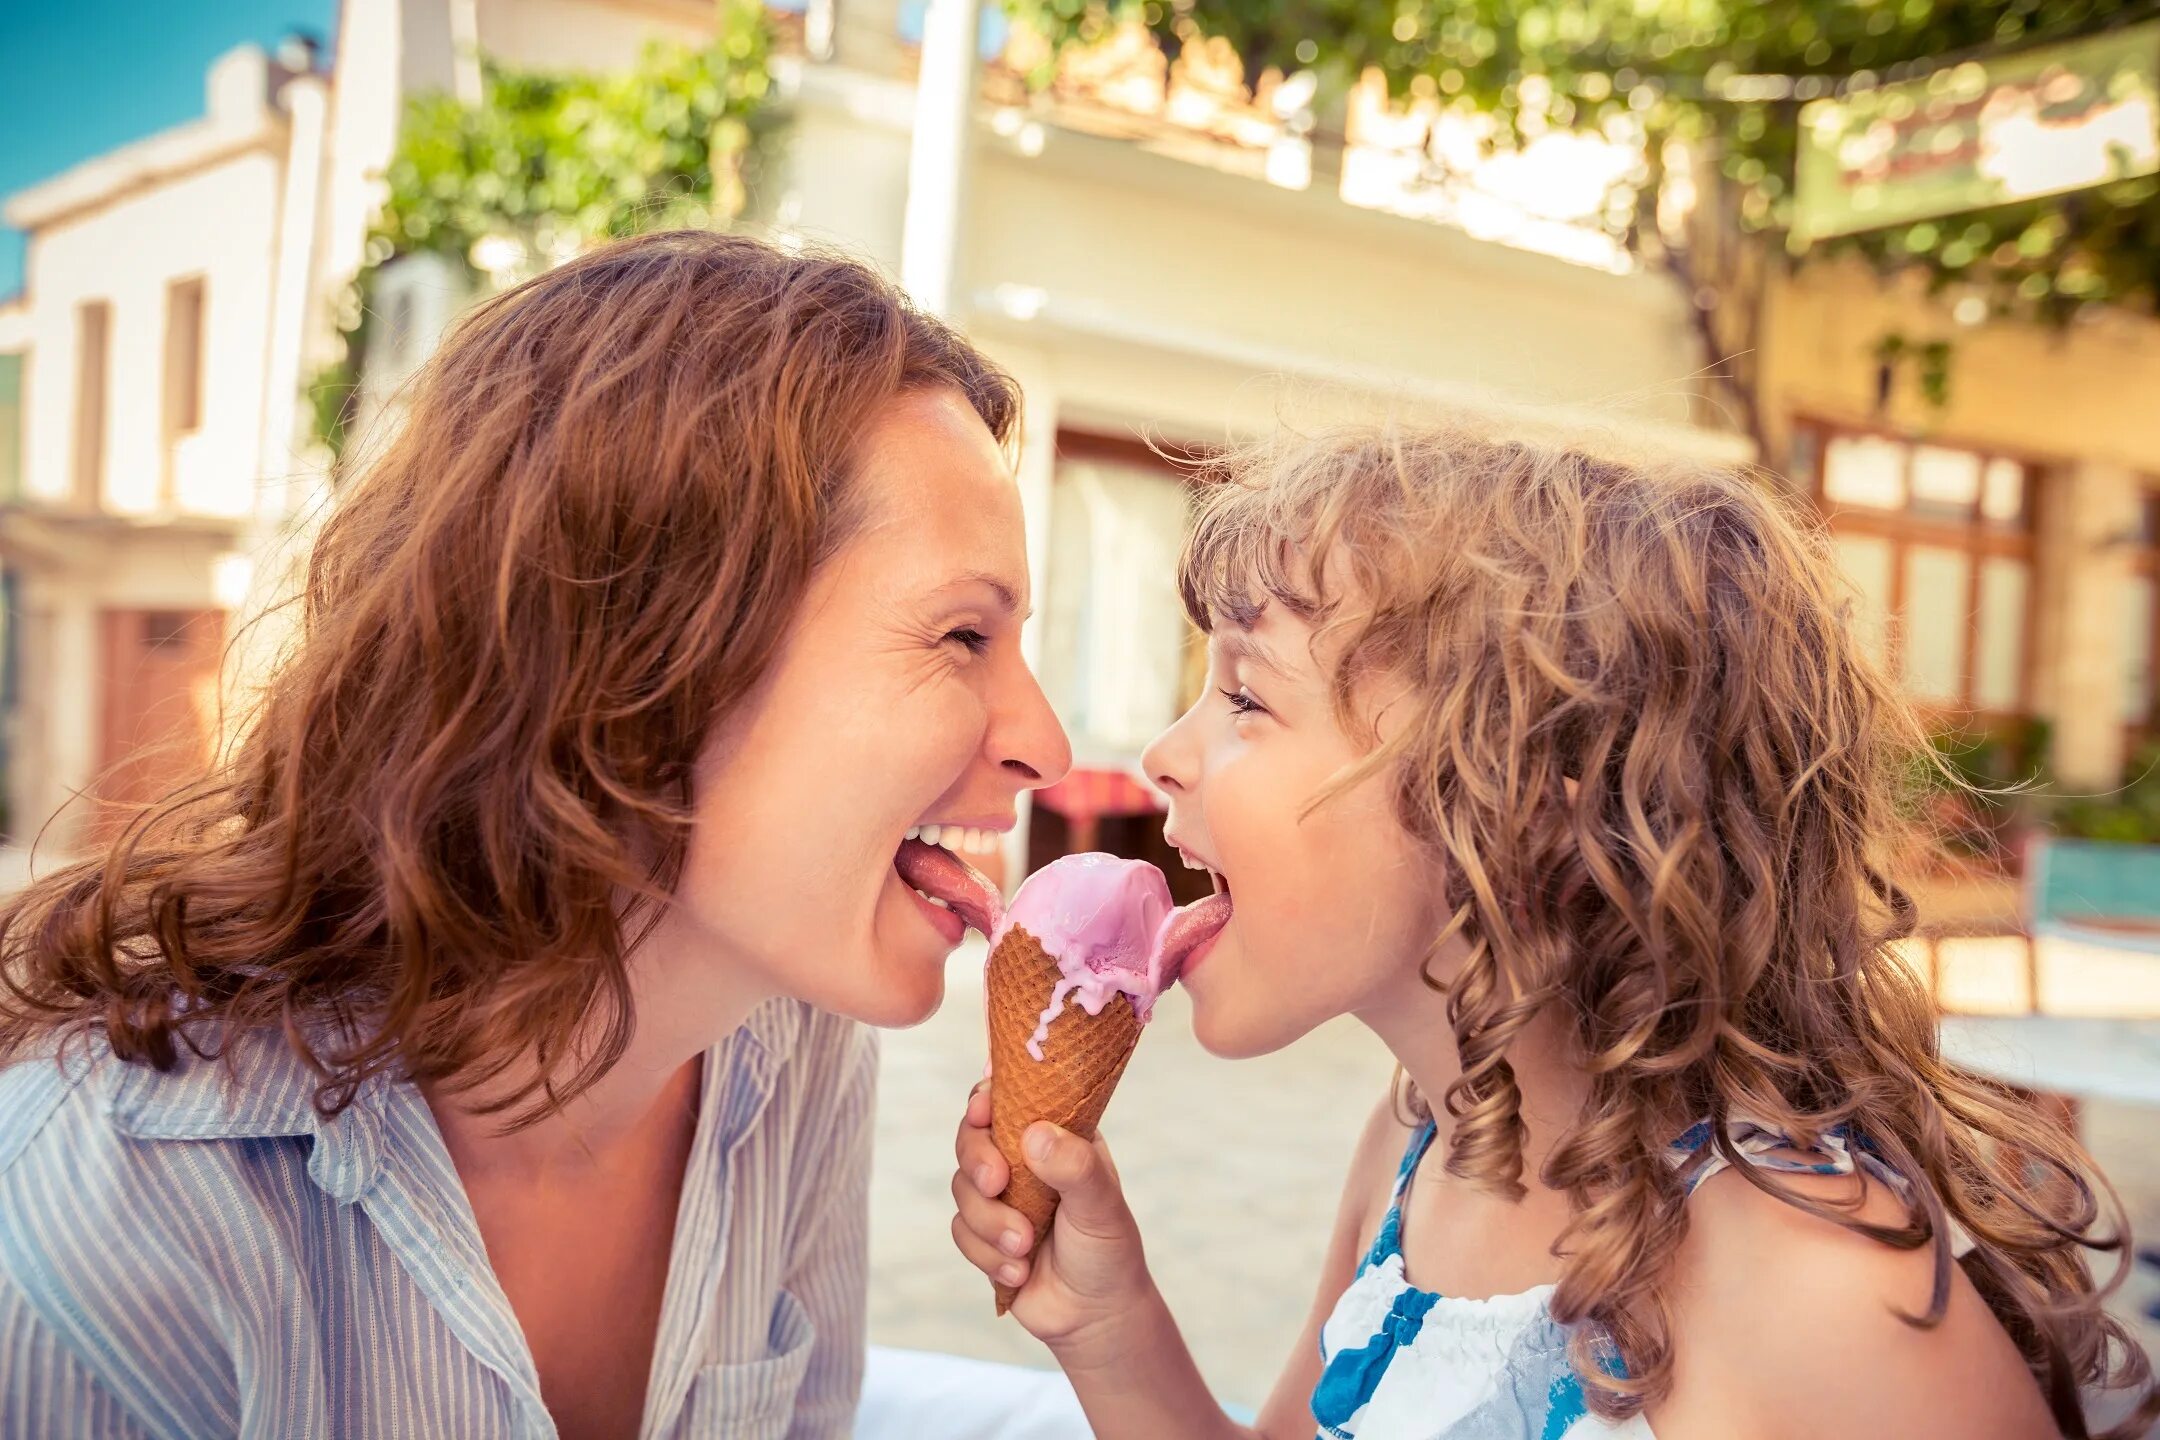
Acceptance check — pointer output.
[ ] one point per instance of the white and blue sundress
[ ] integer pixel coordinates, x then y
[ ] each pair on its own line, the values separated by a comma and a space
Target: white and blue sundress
1400, 1363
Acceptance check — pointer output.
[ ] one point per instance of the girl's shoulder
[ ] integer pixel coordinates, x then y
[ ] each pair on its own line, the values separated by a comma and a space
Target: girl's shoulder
1808, 1326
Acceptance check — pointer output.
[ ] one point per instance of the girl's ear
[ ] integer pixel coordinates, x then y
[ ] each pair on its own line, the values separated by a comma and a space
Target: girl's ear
1570, 786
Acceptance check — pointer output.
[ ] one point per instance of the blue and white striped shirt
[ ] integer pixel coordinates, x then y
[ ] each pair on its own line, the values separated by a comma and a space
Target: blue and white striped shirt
183, 1257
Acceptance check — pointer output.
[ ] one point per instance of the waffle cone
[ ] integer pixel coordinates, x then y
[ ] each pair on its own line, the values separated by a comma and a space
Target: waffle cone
1083, 1056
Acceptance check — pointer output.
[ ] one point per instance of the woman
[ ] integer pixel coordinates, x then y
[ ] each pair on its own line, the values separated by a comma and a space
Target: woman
467, 1056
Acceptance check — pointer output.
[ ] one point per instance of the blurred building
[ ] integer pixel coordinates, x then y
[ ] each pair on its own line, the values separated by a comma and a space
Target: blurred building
2006, 540
1153, 271
1166, 259
149, 391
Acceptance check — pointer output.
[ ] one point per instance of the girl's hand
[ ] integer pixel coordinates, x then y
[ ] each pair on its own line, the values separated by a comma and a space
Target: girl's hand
1089, 1274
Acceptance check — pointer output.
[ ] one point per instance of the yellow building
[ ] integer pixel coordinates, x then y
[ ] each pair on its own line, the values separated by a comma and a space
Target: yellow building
2005, 541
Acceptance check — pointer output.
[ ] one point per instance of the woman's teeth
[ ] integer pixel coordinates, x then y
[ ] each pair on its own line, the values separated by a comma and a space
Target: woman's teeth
953, 837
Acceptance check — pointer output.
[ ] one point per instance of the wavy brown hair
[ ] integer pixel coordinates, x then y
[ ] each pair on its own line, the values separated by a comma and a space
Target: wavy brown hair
1668, 788
431, 849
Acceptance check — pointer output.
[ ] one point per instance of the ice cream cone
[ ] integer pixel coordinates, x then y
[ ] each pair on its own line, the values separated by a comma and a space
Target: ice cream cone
1082, 1057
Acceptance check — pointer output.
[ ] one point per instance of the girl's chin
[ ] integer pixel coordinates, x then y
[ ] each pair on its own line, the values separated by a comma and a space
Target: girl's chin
1230, 1026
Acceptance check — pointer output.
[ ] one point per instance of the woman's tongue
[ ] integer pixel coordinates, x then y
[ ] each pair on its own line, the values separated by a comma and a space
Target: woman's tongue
938, 872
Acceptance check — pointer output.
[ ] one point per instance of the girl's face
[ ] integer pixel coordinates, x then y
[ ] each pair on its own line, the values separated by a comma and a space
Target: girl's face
1332, 909
898, 700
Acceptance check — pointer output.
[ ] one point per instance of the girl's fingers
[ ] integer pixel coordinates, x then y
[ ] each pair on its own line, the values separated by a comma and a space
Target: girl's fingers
978, 1106
986, 1257
995, 1223
980, 1161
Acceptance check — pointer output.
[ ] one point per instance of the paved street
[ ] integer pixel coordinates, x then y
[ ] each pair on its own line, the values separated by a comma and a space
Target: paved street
1234, 1170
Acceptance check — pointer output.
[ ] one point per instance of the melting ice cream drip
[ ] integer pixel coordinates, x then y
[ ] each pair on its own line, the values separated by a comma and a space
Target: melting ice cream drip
1111, 928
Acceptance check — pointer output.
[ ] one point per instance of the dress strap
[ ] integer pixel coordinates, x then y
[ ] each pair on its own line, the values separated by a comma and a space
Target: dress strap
1389, 1240
1837, 1151
1412, 1154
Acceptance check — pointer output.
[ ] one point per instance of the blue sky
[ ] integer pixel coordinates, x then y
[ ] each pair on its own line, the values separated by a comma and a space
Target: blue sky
78, 77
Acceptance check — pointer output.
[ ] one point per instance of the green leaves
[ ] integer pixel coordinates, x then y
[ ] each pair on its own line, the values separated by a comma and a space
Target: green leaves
549, 162
1732, 73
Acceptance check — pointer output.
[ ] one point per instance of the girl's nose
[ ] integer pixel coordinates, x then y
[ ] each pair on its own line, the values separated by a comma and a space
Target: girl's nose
1167, 759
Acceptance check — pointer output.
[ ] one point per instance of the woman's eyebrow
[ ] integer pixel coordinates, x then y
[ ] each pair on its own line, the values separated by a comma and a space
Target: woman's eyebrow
1008, 594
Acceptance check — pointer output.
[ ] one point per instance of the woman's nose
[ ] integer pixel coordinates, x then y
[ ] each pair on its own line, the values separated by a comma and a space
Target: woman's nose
1030, 743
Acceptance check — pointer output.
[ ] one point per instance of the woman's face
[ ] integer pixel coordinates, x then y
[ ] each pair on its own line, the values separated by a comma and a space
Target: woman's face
899, 699
1332, 905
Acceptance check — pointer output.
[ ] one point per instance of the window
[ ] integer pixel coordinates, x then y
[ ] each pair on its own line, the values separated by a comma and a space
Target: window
1936, 540
1113, 629
93, 334
165, 627
11, 372
183, 367
2141, 623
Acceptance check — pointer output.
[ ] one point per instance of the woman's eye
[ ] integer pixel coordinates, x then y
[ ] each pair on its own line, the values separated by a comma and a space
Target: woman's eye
1243, 704
973, 641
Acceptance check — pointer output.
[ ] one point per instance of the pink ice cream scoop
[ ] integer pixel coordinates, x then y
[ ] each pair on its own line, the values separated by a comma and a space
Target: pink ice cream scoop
1111, 926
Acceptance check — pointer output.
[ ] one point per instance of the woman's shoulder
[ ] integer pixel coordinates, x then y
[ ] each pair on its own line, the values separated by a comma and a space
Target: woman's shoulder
1809, 1325
34, 1089
93, 1144
108, 1223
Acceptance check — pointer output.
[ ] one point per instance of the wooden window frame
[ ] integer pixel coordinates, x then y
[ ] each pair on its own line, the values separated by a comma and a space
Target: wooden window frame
185, 379
1975, 537
1132, 452
93, 400
2145, 561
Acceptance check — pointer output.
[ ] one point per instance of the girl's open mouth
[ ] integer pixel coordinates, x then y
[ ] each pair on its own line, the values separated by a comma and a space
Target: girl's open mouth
1190, 931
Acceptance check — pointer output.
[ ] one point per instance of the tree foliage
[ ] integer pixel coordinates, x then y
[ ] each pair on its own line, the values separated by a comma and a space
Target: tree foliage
556, 161
547, 163
1670, 67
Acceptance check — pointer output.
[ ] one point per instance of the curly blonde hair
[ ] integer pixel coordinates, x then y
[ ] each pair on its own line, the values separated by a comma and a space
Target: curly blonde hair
1667, 785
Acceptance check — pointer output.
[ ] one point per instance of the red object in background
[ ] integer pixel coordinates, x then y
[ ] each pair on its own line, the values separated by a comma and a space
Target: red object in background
1086, 795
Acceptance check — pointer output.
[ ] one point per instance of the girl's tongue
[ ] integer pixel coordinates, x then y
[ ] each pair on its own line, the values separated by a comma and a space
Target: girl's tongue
938, 872
1184, 931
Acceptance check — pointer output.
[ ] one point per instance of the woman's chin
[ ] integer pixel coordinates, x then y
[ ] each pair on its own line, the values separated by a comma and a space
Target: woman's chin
903, 980
909, 996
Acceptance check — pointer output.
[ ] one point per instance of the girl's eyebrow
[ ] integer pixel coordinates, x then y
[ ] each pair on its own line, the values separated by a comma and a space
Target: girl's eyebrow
1244, 645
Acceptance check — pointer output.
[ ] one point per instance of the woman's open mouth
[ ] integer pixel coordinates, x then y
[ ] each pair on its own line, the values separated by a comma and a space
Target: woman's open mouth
952, 894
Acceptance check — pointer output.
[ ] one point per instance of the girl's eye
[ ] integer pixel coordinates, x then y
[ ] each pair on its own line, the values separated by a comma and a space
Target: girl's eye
1243, 704
973, 641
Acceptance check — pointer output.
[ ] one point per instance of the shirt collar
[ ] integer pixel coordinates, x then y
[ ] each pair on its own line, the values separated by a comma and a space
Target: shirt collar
266, 1092
269, 1092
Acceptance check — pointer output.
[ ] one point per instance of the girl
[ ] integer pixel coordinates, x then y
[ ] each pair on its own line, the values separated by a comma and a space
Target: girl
475, 1054
1570, 779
